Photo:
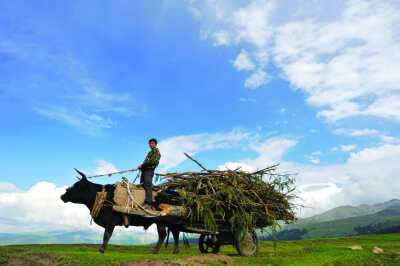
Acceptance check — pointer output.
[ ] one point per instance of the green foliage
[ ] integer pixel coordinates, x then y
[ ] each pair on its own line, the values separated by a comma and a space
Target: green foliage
233, 198
3, 258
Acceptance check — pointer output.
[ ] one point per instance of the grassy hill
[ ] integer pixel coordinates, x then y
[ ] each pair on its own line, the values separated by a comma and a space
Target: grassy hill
384, 221
333, 251
348, 211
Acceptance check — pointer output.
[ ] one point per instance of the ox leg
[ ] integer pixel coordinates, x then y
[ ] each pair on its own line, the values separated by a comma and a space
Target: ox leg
107, 235
161, 236
175, 233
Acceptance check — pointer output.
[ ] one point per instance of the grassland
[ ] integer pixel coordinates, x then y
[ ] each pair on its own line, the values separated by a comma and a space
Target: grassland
330, 251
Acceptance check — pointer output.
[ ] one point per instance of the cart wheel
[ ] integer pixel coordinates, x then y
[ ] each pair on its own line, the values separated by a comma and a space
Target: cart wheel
246, 243
206, 244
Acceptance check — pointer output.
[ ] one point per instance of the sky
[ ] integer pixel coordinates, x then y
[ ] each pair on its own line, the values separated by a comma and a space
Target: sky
312, 85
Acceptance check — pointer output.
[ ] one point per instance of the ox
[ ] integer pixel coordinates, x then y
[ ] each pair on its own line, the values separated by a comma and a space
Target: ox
84, 192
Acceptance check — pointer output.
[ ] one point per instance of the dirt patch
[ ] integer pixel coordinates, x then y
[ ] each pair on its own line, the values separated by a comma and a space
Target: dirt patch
15, 261
92, 246
43, 259
35, 259
192, 260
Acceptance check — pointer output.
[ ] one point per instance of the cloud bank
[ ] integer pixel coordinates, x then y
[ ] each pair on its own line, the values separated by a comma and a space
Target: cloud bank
40, 209
345, 62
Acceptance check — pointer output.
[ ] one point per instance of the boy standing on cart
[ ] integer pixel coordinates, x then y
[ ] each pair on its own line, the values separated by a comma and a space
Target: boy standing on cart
147, 168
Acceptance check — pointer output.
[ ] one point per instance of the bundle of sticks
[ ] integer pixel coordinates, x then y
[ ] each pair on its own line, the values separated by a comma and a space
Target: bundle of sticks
240, 199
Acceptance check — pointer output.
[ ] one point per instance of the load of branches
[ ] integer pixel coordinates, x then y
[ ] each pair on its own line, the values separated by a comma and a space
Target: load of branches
237, 198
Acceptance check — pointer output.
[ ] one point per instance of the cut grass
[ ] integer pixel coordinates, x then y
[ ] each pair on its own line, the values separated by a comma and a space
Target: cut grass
331, 251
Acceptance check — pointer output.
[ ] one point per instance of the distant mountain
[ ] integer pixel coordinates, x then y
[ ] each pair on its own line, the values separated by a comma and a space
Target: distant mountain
75, 237
383, 221
343, 212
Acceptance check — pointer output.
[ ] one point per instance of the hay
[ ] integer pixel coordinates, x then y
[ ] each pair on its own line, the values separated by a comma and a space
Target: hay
121, 198
98, 203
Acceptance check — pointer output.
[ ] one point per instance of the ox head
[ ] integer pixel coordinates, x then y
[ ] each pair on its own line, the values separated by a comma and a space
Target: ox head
78, 191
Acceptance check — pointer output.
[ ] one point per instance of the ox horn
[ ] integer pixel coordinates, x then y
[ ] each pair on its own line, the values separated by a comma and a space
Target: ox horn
81, 173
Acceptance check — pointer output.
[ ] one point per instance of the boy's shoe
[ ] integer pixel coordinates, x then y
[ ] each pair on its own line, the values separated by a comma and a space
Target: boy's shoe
146, 206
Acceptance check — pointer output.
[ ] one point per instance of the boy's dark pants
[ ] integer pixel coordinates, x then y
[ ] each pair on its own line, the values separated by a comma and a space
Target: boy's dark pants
147, 180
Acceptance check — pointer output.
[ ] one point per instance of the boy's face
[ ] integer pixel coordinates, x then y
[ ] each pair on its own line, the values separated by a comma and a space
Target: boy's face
152, 144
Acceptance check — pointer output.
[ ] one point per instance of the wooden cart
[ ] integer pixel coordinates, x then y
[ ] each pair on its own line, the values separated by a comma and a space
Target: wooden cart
246, 243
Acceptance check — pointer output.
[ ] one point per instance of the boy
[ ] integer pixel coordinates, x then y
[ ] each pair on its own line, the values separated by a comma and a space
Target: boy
147, 168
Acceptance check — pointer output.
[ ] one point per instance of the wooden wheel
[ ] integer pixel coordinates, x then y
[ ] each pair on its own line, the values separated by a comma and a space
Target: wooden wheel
246, 243
206, 244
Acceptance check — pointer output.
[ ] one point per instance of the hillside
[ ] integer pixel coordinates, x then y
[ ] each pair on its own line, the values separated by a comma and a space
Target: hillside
384, 221
348, 211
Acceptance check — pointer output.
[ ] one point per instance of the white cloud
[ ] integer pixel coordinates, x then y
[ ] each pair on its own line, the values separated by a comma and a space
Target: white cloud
270, 151
97, 99
88, 123
387, 106
283, 122
368, 176
334, 149
345, 60
79, 100
234, 166
316, 153
251, 23
221, 38
105, 167
42, 207
389, 139
356, 132
374, 154
346, 148
86, 109
243, 62
363, 132
342, 64
314, 160
173, 148
316, 197
196, 12
247, 100
7, 187
256, 80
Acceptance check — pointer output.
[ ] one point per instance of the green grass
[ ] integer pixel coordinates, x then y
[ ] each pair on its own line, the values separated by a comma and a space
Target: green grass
329, 251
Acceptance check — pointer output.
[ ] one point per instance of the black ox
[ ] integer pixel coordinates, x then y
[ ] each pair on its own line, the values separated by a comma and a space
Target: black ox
84, 192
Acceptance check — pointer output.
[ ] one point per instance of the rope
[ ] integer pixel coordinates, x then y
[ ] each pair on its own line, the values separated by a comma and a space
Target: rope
125, 181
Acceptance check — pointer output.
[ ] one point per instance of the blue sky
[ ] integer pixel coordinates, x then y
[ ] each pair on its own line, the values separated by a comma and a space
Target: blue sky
312, 85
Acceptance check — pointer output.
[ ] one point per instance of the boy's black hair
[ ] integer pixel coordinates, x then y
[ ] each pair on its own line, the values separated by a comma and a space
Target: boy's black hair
153, 140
